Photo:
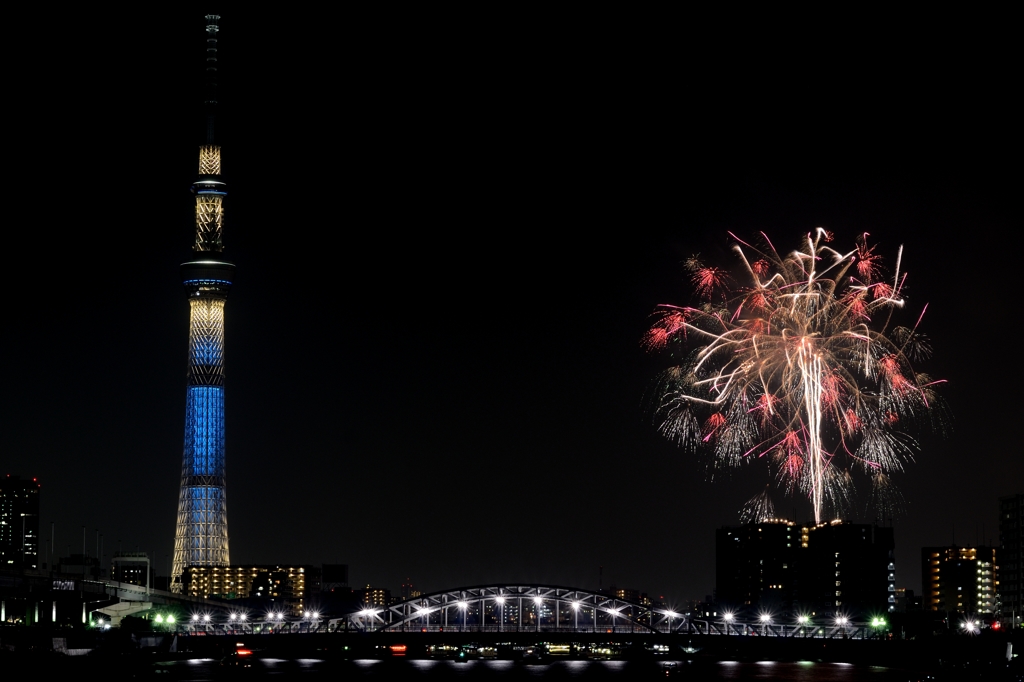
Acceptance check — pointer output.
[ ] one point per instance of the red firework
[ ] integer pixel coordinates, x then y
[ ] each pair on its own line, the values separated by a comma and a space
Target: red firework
798, 364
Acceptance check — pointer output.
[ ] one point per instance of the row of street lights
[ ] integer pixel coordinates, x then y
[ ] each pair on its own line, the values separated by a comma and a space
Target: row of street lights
463, 606
766, 620
237, 618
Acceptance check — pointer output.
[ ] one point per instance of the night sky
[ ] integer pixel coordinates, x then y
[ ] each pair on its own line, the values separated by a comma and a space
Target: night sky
449, 243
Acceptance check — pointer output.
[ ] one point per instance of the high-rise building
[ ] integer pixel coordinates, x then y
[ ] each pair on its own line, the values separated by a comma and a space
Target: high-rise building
19, 522
131, 567
627, 593
852, 567
201, 536
781, 566
960, 579
1011, 556
408, 591
755, 564
285, 587
373, 597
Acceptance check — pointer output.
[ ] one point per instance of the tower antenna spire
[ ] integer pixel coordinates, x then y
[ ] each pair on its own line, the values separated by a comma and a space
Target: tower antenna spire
210, 96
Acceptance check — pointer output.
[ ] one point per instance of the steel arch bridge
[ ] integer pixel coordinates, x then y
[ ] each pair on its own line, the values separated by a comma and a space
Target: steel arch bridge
513, 608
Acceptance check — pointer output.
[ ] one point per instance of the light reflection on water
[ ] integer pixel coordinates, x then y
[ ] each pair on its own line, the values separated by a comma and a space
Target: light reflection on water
366, 662
803, 671
424, 664
409, 668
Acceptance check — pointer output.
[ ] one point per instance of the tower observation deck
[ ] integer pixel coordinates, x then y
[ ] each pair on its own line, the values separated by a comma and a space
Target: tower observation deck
201, 535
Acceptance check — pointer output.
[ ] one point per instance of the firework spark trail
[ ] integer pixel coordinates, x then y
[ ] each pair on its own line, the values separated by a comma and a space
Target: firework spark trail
810, 375
796, 368
758, 509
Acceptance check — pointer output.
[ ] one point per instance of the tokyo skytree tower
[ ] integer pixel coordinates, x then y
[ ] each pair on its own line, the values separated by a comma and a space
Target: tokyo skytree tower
201, 537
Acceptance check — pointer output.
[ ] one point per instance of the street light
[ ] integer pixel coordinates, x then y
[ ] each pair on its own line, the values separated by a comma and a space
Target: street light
878, 624
537, 602
364, 614
615, 614
727, 617
500, 601
313, 617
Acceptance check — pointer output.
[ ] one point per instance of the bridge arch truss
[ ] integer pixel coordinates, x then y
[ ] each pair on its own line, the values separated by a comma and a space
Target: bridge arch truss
515, 608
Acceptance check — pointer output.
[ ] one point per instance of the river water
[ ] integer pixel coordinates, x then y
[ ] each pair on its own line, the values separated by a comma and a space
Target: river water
801, 671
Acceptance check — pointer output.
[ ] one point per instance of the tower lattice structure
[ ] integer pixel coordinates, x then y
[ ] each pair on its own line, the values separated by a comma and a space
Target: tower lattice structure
201, 536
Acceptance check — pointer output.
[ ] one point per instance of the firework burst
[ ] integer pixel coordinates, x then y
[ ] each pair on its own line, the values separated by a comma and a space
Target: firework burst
802, 368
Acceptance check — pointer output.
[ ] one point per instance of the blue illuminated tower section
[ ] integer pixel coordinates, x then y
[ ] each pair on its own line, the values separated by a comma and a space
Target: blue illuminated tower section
201, 536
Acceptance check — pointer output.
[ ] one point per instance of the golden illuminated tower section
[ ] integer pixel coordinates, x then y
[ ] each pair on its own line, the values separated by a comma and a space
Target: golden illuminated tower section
201, 535
209, 205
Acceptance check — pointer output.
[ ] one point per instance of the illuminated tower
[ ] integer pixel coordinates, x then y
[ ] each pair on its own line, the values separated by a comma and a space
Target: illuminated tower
201, 537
